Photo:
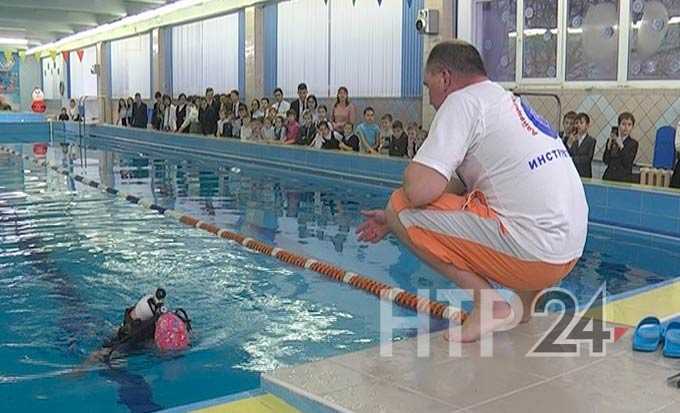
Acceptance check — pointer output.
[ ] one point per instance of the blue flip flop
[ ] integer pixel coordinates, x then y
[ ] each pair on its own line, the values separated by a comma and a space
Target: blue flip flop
671, 345
649, 334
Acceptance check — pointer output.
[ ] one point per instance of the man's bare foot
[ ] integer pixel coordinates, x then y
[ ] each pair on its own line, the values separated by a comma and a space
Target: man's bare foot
472, 329
528, 298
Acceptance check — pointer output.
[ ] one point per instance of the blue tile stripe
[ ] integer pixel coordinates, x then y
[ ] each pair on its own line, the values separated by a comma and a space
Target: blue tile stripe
411, 51
270, 47
242, 52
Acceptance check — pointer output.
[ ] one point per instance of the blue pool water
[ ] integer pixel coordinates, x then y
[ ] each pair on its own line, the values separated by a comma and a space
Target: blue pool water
72, 258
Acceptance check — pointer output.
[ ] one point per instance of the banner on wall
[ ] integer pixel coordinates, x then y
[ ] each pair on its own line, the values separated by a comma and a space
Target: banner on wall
9, 80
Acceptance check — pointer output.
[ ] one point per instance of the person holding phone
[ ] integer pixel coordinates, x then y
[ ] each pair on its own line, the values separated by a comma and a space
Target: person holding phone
621, 150
581, 146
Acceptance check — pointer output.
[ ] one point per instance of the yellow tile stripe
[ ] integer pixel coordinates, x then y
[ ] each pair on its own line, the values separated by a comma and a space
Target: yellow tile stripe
260, 404
662, 302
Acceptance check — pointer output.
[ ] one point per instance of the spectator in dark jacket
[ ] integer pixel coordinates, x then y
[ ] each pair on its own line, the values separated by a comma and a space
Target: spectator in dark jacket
156, 114
399, 142
581, 146
140, 118
621, 150
208, 118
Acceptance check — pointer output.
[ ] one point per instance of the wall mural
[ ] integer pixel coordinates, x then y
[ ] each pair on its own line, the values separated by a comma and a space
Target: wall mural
9, 80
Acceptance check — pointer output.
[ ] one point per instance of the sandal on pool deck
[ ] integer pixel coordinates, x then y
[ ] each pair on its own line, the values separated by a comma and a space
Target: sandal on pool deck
649, 334
671, 345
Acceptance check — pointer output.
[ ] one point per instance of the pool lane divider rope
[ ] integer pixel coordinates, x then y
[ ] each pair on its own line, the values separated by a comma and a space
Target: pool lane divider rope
361, 282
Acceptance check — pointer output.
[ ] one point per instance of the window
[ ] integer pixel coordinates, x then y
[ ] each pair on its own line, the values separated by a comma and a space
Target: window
205, 54
539, 47
83, 82
592, 40
496, 37
131, 66
654, 48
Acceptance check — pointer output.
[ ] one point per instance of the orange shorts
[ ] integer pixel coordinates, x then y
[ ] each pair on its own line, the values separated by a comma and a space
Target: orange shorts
465, 232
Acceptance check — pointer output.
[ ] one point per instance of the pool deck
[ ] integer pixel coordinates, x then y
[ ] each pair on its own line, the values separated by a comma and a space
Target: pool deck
621, 381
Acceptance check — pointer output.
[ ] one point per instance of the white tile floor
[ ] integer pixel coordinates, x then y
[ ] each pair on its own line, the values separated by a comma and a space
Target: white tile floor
622, 381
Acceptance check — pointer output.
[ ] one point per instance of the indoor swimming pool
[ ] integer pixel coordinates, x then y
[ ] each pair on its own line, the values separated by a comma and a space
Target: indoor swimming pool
73, 258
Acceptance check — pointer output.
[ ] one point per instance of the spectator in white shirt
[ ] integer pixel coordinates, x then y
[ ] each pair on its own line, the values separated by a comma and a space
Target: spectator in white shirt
282, 107
169, 115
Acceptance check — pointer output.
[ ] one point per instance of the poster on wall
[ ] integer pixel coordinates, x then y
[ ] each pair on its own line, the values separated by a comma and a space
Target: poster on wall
9, 80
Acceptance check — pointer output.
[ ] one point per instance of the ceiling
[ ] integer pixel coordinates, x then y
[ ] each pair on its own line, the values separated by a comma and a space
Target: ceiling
44, 21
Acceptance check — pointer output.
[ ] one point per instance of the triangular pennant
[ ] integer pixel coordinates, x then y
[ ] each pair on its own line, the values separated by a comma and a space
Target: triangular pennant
326, 1
22, 55
80, 53
380, 3
410, 3
8, 55
354, 2
65, 55
53, 55
36, 56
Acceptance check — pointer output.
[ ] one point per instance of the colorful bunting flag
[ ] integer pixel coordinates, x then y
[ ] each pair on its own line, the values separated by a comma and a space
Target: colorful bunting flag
65, 55
53, 55
22, 55
80, 53
410, 3
8, 55
380, 3
37, 56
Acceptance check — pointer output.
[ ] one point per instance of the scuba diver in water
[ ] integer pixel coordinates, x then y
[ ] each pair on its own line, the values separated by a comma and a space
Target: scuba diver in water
148, 324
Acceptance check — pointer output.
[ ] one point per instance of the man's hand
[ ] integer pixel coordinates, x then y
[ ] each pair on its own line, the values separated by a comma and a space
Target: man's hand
375, 227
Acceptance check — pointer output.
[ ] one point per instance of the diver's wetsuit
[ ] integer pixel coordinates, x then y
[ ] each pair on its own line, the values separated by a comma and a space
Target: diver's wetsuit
132, 335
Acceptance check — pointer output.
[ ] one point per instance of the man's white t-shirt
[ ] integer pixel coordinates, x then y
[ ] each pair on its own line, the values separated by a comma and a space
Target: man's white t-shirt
499, 146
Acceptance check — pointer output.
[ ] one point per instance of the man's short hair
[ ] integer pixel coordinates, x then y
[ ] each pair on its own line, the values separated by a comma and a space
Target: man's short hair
278, 89
456, 56
208, 90
570, 115
157, 95
138, 94
235, 92
583, 116
302, 86
369, 109
626, 116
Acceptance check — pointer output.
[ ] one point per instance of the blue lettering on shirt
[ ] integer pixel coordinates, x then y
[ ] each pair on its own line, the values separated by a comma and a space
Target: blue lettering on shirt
540, 123
547, 157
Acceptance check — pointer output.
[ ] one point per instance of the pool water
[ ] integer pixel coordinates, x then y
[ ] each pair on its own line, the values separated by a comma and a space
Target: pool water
72, 258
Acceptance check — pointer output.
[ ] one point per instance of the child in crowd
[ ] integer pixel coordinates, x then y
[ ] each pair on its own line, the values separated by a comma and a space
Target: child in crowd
224, 129
312, 106
279, 129
63, 116
264, 105
350, 141
268, 130
169, 115
368, 131
246, 131
386, 134
322, 115
272, 113
326, 138
307, 129
255, 110
128, 113
412, 147
122, 113
292, 128
256, 134
73, 111
237, 122
191, 122
399, 143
